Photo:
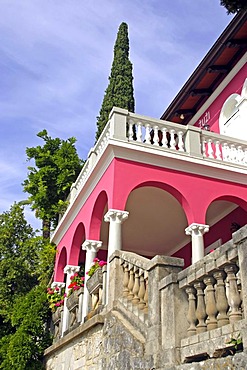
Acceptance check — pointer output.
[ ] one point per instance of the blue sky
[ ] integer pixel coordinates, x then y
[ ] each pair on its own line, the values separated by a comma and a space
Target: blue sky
55, 59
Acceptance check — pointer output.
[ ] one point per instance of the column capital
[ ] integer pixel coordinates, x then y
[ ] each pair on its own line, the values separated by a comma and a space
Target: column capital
196, 229
116, 215
70, 269
91, 245
59, 284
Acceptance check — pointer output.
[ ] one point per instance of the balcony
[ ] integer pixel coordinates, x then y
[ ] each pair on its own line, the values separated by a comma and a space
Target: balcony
142, 135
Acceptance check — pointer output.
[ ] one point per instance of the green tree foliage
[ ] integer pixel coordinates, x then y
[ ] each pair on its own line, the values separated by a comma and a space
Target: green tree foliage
26, 262
57, 165
120, 91
234, 6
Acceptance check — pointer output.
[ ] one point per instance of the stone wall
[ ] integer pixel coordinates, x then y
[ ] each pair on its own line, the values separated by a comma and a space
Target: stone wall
103, 343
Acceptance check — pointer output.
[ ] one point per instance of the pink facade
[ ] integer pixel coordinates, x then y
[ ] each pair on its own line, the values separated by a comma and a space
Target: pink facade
193, 192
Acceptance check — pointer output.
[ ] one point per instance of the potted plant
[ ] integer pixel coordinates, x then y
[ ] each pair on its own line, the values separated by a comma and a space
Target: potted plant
55, 297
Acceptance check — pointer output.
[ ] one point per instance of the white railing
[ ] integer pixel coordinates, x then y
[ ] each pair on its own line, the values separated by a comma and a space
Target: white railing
165, 136
223, 148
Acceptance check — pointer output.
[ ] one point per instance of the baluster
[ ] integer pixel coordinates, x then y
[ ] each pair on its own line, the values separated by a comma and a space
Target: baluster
240, 290
156, 136
180, 141
125, 280
232, 153
210, 303
164, 140
147, 134
130, 133
234, 297
210, 149
221, 299
172, 140
204, 148
131, 282
145, 309
225, 152
245, 157
141, 292
240, 155
136, 287
95, 299
217, 150
191, 317
139, 132
200, 309
100, 297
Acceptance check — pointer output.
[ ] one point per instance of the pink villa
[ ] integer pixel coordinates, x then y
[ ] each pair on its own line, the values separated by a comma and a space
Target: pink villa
167, 210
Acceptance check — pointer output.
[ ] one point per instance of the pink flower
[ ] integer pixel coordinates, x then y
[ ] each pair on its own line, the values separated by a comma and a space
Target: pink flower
96, 260
57, 289
82, 278
76, 287
102, 263
65, 295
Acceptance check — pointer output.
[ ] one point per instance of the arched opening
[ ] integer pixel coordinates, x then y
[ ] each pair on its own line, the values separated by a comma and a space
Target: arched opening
62, 262
99, 209
156, 222
225, 215
77, 255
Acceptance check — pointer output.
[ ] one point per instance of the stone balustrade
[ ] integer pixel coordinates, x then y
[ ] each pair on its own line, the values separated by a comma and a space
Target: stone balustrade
74, 305
135, 284
96, 286
213, 287
57, 320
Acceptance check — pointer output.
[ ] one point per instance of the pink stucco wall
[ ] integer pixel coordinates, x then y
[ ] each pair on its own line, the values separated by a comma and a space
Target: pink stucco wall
234, 86
194, 192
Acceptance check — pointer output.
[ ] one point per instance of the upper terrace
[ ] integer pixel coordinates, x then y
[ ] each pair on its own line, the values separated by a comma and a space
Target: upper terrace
172, 180
164, 144
142, 134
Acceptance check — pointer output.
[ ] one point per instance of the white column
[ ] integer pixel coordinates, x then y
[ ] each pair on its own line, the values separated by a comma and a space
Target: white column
116, 218
69, 270
197, 231
58, 284
91, 247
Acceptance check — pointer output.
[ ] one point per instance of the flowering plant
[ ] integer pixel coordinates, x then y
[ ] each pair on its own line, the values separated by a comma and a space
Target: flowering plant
96, 264
76, 282
55, 297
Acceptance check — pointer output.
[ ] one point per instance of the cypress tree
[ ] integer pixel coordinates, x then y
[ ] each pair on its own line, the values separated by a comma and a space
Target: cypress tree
234, 6
120, 91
